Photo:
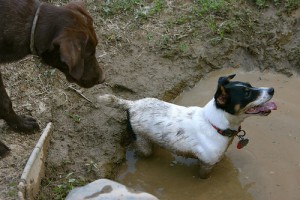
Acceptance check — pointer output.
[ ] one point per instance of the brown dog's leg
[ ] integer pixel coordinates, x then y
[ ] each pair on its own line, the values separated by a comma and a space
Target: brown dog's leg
16, 122
3, 150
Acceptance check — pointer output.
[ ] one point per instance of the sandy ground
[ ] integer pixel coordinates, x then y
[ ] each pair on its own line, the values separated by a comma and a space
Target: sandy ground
140, 59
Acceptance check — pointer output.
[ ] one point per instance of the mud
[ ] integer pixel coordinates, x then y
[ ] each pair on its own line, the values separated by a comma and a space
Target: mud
267, 168
146, 58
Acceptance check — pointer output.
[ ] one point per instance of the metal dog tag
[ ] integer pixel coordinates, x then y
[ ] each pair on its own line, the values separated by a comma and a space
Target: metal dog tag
242, 143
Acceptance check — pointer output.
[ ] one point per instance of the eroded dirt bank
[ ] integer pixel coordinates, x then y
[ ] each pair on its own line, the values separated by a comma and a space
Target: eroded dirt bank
155, 55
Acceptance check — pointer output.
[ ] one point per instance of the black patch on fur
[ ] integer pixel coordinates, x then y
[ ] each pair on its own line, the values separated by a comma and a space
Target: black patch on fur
229, 94
190, 115
180, 132
158, 123
129, 127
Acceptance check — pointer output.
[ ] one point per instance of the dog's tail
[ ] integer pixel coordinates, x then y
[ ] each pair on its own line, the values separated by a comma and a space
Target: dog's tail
113, 101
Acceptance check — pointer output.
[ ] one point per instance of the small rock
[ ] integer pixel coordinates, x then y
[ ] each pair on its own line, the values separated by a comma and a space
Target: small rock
105, 189
42, 108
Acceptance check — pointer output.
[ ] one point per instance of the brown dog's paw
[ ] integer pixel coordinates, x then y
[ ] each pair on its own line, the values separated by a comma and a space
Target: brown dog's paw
4, 150
25, 124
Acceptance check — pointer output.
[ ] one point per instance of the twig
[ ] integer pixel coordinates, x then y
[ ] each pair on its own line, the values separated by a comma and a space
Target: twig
78, 92
102, 55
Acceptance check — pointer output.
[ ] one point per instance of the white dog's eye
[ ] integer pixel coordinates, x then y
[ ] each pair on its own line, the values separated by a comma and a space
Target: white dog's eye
247, 93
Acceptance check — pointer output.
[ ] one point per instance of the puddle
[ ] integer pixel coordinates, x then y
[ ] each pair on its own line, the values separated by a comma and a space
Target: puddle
268, 168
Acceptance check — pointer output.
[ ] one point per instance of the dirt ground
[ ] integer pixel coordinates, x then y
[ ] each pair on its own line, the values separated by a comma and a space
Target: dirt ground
153, 49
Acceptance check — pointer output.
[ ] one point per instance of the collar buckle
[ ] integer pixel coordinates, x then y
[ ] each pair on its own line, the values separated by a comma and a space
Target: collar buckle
231, 133
228, 132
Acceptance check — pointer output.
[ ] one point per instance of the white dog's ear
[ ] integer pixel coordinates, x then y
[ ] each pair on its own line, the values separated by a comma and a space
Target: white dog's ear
221, 95
224, 80
231, 76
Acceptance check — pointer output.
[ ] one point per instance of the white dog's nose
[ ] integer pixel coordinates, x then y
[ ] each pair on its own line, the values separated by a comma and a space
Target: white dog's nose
271, 91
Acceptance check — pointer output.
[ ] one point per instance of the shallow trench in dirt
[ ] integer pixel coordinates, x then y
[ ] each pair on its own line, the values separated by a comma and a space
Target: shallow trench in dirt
267, 168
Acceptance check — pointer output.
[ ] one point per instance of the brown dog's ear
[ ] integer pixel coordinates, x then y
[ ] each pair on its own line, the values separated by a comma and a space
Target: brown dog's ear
71, 45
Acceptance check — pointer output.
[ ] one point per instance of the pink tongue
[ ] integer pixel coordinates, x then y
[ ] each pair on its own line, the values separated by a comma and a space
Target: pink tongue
268, 106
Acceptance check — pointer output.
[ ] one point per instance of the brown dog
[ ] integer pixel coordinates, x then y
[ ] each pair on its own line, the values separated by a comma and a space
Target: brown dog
63, 37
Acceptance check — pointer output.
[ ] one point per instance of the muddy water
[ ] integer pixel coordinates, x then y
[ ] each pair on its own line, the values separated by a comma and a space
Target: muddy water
267, 169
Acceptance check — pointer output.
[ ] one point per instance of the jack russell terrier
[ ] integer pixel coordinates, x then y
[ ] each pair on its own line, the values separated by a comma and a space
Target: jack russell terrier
196, 132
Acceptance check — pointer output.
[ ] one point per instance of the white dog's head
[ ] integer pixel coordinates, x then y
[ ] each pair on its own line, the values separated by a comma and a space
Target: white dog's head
242, 99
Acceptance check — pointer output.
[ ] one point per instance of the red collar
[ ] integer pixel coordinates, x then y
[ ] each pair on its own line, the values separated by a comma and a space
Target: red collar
231, 133
227, 132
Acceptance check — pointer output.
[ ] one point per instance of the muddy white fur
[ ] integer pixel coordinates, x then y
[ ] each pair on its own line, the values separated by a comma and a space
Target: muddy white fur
186, 131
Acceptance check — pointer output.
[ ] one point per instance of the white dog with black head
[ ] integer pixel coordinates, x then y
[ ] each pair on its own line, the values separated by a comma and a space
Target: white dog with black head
202, 133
